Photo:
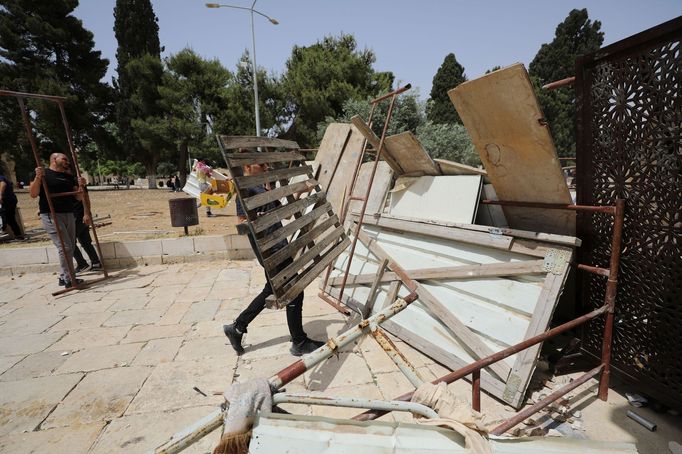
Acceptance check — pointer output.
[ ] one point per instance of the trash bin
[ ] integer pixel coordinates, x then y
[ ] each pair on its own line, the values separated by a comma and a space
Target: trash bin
183, 212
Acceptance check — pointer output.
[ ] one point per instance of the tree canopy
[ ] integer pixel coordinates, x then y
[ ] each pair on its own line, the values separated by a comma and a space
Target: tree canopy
439, 108
45, 49
321, 77
576, 35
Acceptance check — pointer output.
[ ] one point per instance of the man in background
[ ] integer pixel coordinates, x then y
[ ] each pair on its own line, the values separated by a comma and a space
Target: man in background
58, 180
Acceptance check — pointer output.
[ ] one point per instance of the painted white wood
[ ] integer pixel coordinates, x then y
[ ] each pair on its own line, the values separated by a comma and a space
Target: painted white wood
449, 198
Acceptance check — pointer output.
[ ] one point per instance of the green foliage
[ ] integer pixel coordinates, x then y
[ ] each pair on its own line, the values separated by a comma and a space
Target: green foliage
448, 141
439, 108
166, 169
139, 75
494, 68
320, 78
575, 36
45, 49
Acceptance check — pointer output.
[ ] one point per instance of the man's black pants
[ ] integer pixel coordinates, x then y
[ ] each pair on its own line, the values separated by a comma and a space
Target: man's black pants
83, 236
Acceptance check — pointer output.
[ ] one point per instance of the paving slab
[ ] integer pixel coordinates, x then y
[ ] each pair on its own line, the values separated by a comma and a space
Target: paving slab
25, 345
344, 369
89, 307
24, 404
8, 361
101, 396
170, 385
91, 337
158, 351
141, 433
201, 311
134, 317
217, 348
81, 321
28, 325
35, 365
77, 439
144, 333
95, 358
174, 314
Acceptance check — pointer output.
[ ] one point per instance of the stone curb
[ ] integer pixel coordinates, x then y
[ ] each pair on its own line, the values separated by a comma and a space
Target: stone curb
119, 254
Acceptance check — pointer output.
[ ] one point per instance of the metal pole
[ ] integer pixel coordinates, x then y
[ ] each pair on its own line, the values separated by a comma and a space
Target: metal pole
610, 298
255, 75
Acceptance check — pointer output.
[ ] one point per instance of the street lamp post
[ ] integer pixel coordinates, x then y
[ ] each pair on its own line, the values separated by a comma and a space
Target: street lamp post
253, 43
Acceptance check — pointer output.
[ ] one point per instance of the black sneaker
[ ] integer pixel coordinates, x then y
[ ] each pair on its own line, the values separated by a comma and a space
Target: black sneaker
83, 268
235, 338
67, 284
305, 347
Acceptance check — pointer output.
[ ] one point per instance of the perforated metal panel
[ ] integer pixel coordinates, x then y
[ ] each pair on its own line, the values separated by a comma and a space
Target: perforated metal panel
629, 102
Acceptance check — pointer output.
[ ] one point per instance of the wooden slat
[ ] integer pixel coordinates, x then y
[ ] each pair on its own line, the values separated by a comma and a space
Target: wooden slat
233, 142
299, 243
251, 181
465, 236
408, 152
293, 226
502, 115
472, 342
455, 272
311, 273
330, 151
455, 168
277, 193
525, 234
285, 212
373, 140
320, 245
367, 311
242, 159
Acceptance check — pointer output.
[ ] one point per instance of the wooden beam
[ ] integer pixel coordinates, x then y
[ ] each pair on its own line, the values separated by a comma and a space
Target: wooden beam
251, 181
469, 340
285, 212
275, 194
373, 291
299, 243
234, 142
292, 227
242, 159
454, 272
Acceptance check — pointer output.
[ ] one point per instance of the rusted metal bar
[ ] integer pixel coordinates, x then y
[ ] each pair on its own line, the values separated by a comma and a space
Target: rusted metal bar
294, 370
48, 195
553, 206
333, 303
522, 415
373, 291
592, 269
377, 157
397, 357
64, 194
393, 93
610, 298
18, 94
485, 362
559, 83
476, 390
354, 402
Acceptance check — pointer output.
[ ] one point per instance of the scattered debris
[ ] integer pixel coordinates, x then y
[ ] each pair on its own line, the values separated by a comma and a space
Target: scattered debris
642, 421
636, 400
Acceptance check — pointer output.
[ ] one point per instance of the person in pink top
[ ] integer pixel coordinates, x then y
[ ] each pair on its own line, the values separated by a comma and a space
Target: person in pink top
203, 172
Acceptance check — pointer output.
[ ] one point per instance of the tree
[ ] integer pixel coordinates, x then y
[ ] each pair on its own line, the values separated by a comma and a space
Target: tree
139, 74
575, 36
321, 77
45, 49
439, 108
448, 141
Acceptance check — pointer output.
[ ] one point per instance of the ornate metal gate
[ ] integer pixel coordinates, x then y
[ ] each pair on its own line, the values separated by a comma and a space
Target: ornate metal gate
629, 132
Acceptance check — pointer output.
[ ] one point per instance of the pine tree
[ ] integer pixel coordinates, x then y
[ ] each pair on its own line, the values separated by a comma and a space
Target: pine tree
575, 36
449, 75
139, 71
45, 49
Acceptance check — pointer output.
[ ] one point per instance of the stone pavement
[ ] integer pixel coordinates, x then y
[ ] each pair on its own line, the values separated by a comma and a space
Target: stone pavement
112, 368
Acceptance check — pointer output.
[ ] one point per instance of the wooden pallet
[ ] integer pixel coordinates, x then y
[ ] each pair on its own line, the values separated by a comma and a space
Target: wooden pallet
315, 235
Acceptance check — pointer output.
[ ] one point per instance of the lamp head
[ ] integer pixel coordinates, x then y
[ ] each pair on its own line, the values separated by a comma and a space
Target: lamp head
274, 21
212, 5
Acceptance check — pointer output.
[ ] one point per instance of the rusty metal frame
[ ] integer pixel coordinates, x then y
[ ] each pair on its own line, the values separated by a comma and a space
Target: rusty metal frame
603, 370
59, 100
334, 302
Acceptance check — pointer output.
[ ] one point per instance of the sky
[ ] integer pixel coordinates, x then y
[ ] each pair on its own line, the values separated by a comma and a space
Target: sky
409, 38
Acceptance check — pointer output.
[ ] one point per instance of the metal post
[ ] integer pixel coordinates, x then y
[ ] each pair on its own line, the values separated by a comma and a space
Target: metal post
255, 73
610, 298
476, 390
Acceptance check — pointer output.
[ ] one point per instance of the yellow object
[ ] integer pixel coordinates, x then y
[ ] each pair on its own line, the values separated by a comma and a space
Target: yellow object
215, 200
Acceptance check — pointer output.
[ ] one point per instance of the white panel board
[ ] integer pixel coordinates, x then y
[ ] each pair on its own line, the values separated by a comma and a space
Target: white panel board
448, 198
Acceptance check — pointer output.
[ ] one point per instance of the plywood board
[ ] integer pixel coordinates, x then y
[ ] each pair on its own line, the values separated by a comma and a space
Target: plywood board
491, 214
408, 152
330, 151
377, 197
500, 310
339, 187
443, 198
503, 118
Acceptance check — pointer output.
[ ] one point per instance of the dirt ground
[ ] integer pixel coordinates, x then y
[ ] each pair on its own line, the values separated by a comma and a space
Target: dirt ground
136, 214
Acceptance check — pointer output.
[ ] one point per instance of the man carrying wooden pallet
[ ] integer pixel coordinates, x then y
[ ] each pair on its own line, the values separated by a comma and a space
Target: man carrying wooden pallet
300, 343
